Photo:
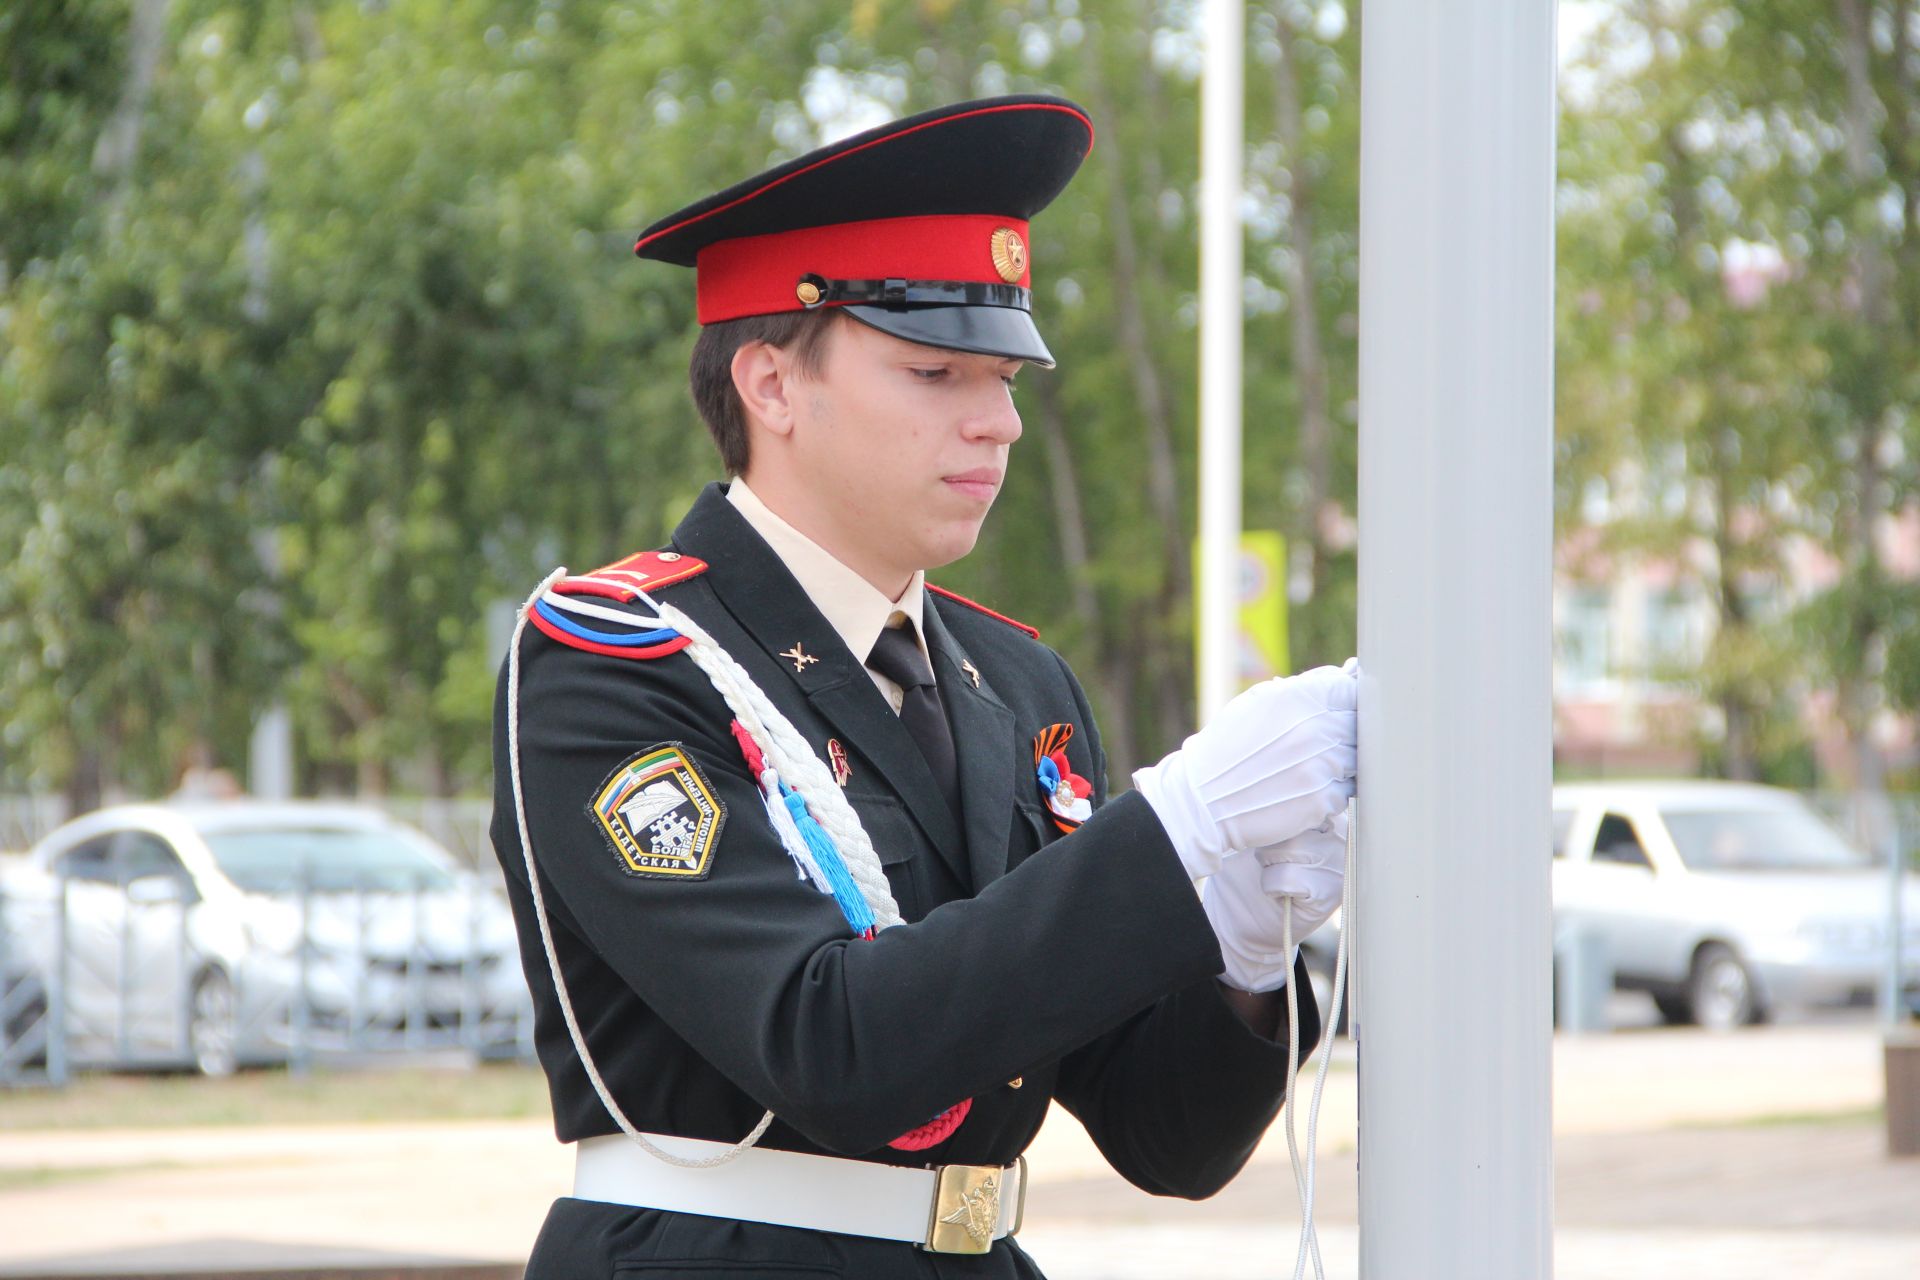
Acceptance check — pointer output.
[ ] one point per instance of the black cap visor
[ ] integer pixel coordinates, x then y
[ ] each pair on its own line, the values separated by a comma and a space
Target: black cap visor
987, 331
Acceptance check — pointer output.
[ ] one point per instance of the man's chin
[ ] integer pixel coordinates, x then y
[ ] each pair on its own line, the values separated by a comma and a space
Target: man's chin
950, 544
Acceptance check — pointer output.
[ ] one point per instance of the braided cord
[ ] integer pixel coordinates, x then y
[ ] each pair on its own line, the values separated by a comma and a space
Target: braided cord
792, 758
801, 784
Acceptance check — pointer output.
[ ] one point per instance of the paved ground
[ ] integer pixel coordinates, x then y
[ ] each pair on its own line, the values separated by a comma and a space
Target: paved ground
1678, 1154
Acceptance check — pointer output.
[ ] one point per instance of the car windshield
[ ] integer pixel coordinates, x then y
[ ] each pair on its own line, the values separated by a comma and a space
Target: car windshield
278, 860
1783, 838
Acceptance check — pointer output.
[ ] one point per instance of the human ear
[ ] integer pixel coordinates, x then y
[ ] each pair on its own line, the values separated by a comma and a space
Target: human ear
763, 379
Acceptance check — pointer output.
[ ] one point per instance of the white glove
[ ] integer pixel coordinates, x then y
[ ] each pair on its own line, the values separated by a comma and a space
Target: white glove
1248, 900
1278, 760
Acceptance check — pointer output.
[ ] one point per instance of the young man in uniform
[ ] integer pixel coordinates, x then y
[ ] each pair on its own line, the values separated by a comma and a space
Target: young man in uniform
804, 1019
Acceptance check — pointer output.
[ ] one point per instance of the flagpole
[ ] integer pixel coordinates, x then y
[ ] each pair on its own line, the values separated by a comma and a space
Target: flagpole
1453, 914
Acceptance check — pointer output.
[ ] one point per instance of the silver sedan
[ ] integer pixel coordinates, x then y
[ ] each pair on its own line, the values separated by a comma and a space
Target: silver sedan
214, 934
1723, 901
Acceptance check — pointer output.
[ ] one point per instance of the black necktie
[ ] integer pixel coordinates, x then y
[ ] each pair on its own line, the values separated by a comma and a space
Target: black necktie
896, 655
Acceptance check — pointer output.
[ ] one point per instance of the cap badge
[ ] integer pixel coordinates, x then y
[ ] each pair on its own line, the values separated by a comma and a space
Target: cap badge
1009, 254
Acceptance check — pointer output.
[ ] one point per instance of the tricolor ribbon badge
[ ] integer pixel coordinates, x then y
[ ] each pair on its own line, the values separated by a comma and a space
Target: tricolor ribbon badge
1068, 795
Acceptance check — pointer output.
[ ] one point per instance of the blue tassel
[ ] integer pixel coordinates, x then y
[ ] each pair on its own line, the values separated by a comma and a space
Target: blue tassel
853, 904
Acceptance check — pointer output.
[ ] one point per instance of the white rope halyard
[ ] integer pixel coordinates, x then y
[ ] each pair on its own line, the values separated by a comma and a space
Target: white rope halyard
1309, 1232
788, 755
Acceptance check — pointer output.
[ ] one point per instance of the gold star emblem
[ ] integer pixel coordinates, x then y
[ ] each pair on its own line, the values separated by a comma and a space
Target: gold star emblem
1009, 254
973, 672
800, 658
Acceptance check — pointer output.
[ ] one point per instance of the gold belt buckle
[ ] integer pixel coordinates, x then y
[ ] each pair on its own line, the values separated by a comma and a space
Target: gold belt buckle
966, 1206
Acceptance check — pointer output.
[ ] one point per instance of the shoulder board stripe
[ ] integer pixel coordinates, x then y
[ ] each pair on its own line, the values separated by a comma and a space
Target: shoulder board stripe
635, 645
584, 608
975, 604
626, 578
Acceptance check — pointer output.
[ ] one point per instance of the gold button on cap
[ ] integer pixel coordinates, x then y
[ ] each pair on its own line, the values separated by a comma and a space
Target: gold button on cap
808, 292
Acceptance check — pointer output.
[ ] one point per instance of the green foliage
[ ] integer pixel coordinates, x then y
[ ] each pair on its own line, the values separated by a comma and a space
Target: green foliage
1737, 335
302, 391
352, 348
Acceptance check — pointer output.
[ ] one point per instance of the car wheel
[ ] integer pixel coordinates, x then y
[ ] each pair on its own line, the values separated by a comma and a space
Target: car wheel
212, 1036
1721, 991
1676, 1010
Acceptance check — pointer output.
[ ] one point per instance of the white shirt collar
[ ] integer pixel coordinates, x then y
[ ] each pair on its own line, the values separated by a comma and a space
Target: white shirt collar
856, 609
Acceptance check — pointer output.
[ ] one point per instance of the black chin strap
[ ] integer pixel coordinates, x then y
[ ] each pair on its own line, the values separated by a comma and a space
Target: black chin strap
817, 291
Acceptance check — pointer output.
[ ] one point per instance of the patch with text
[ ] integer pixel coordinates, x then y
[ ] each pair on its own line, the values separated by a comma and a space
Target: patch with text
659, 814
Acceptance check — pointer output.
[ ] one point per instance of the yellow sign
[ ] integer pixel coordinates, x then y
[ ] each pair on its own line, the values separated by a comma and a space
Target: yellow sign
1261, 642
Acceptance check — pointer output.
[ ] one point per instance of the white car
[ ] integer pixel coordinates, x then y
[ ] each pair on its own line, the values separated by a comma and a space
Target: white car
1723, 900
191, 930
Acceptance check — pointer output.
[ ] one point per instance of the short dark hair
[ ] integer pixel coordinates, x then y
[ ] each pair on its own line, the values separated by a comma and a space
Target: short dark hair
710, 370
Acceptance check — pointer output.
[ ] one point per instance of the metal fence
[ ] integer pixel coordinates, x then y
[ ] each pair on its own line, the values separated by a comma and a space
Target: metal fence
111, 970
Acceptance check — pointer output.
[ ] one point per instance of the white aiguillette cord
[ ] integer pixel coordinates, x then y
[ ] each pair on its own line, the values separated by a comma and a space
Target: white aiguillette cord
1330, 1022
564, 999
786, 750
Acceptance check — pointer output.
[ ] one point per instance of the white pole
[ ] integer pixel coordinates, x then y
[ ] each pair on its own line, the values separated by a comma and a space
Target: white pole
1454, 932
1222, 102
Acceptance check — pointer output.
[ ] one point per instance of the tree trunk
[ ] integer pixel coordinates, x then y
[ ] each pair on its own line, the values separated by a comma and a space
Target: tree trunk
84, 784
1114, 667
1739, 759
1902, 170
1859, 687
1309, 363
437, 778
1172, 665
118, 146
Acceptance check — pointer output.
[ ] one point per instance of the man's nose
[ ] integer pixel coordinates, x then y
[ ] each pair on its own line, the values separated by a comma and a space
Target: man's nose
997, 419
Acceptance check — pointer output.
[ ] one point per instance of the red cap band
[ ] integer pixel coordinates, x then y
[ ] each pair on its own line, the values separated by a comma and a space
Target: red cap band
759, 275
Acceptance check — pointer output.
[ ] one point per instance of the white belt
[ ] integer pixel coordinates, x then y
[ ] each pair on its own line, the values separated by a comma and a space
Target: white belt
955, 1208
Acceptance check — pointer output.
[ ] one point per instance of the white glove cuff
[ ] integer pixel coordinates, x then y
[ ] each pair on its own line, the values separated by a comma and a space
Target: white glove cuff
1194, 835
1255, 976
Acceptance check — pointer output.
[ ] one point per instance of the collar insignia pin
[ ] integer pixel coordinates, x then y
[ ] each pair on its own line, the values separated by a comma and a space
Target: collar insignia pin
973, 672
800, 658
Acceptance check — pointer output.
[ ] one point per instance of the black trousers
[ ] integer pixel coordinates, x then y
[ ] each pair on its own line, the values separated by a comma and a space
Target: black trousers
587, 1240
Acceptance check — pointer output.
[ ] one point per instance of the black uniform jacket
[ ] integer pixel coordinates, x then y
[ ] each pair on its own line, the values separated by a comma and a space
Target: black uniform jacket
1079, 964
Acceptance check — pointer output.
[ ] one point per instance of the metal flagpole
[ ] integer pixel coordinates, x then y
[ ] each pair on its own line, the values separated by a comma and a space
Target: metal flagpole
1454, 918
1222, 102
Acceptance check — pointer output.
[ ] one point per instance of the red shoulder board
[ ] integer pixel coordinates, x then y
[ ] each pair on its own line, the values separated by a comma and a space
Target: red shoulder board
975, 604
625, 579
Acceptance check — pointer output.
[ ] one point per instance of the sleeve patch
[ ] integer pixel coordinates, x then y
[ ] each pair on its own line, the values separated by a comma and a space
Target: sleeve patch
659, 816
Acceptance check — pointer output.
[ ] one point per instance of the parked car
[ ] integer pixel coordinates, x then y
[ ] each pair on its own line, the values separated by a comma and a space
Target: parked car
192, 930
23, 994
1724, 901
